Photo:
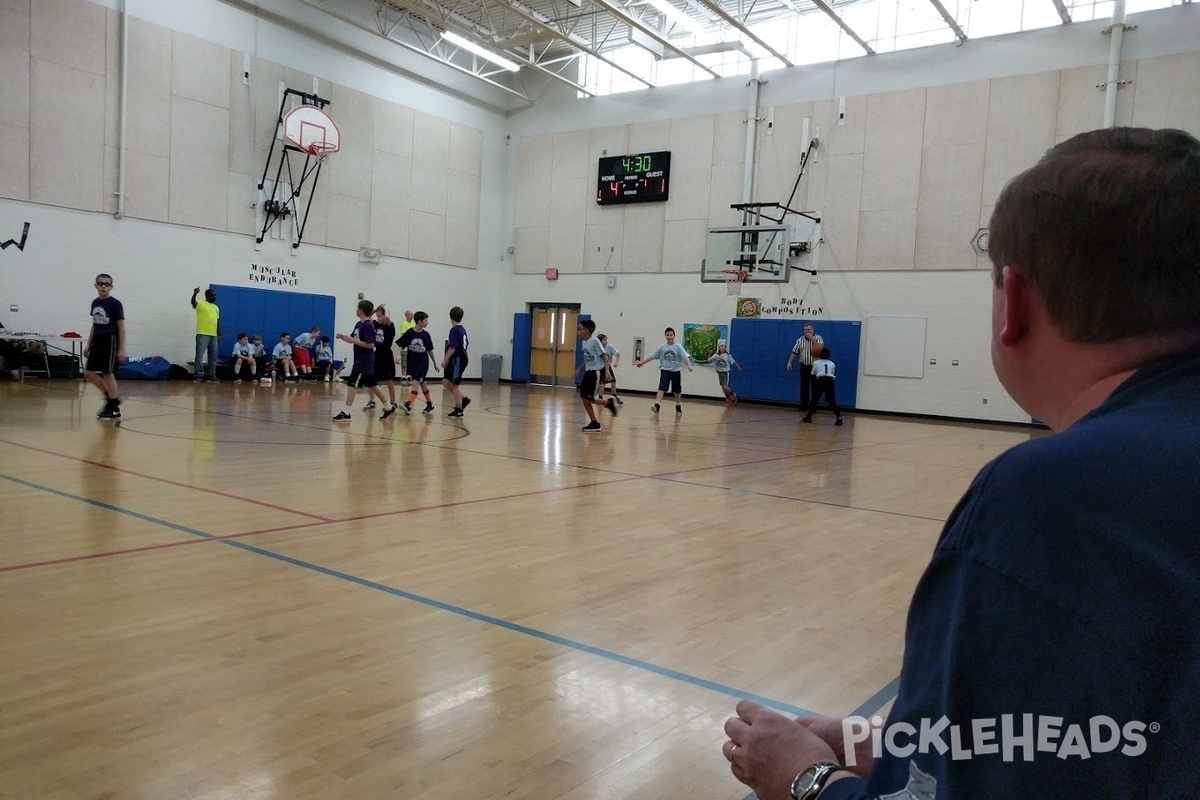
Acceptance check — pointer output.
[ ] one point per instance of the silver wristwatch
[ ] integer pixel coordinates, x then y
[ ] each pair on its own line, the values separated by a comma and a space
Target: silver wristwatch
809, 783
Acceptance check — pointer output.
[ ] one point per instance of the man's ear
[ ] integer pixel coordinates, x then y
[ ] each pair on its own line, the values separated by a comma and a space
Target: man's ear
1018, 305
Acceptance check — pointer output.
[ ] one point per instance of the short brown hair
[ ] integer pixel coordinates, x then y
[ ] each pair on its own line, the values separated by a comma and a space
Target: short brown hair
367, 307
456, 314
1107, 228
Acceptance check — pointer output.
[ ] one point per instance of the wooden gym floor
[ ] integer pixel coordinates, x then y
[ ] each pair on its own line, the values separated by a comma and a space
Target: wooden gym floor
226, 596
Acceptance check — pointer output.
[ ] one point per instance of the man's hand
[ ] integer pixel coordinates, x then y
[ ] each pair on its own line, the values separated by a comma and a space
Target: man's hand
767, 750
830, 731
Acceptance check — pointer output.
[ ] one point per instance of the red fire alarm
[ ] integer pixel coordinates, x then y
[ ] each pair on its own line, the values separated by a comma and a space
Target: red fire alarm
552, 274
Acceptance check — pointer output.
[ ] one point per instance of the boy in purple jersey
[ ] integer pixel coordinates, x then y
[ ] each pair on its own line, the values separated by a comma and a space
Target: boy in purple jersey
417, 342
105, 346
455, 362
363, 372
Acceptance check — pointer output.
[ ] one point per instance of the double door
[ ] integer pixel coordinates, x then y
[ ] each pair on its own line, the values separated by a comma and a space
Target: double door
552, 351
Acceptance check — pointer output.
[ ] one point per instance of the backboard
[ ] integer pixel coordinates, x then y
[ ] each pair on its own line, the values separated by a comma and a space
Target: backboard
761, 251
310, 129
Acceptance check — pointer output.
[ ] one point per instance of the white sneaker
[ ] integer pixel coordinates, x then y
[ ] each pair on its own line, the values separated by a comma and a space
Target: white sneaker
370, 405
327, 379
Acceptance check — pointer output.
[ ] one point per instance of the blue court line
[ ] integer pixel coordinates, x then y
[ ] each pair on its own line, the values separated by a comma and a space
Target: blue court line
877, 700
609, 655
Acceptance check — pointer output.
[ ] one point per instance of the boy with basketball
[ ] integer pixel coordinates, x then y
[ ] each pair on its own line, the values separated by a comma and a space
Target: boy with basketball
671, 359
362, 374
105, 346
418, 344
595, 366
455, 362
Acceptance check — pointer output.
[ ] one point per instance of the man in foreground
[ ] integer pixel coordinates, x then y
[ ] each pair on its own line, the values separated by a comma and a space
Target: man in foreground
1052, 648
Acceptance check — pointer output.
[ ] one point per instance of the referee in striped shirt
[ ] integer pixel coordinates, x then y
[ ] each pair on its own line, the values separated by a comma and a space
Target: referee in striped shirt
807, 348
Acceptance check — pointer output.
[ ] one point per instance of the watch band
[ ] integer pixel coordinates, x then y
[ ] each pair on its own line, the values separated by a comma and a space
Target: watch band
809, 783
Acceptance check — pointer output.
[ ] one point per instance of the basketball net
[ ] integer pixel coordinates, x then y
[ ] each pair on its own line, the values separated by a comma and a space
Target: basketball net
321, 150
734, 278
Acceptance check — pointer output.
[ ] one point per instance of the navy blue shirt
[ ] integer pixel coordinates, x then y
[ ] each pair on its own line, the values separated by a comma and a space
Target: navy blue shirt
420, 345
364, 357
106, 312
1062, 604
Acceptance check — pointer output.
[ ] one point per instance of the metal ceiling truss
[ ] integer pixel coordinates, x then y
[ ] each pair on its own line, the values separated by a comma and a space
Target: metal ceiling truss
1063, 13
551, 36
821, 4
732, 20
950, 20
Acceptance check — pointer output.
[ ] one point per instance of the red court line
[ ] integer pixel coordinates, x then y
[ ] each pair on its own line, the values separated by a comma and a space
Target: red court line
217, 492
321, 522
283, 528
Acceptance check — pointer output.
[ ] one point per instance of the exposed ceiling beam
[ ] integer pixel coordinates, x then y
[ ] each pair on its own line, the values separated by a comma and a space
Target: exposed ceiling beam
729, 18
1063, 12
574, 40
951, 21
821, 4
621, 15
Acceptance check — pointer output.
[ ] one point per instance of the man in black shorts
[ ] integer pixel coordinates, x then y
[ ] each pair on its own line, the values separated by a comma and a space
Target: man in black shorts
105, 346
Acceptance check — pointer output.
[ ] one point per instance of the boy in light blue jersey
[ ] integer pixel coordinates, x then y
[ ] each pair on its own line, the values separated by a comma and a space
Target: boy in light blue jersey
722, 360
671, 359
614, 361
595, 366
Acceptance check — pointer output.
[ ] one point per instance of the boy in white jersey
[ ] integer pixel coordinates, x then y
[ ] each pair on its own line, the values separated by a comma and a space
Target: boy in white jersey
614, 361
284, 366
671, 359
243, 355
722, 360
595, 366
823, 384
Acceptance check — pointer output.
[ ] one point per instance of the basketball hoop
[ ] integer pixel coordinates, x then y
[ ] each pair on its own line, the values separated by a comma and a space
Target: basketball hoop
734, 278
322, 150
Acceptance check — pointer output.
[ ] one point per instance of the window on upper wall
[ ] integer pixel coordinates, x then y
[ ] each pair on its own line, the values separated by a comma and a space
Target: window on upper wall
812, 37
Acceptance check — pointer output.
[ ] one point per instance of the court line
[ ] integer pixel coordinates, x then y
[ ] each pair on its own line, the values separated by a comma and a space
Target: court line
877, 700
157, 479
209, 537
487, 619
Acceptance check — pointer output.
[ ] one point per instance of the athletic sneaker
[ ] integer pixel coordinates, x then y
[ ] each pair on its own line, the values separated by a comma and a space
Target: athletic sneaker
327, 379
807, 419
679, 411
370, 405
611, 405
342, 416
466, 402
407, 407
655, 408
839, 421
388, 410
592, 427
457, 412
620, 402
428, 408
109, 412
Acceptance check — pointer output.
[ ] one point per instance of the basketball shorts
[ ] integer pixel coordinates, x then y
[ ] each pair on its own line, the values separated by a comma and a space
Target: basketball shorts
456, 367
362, 380
670, 381
723, 379
418, 370
301, 357
385, 364
102, 357
592, 381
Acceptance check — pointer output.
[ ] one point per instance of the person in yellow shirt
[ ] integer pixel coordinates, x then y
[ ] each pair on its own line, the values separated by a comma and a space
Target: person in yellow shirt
208, 333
